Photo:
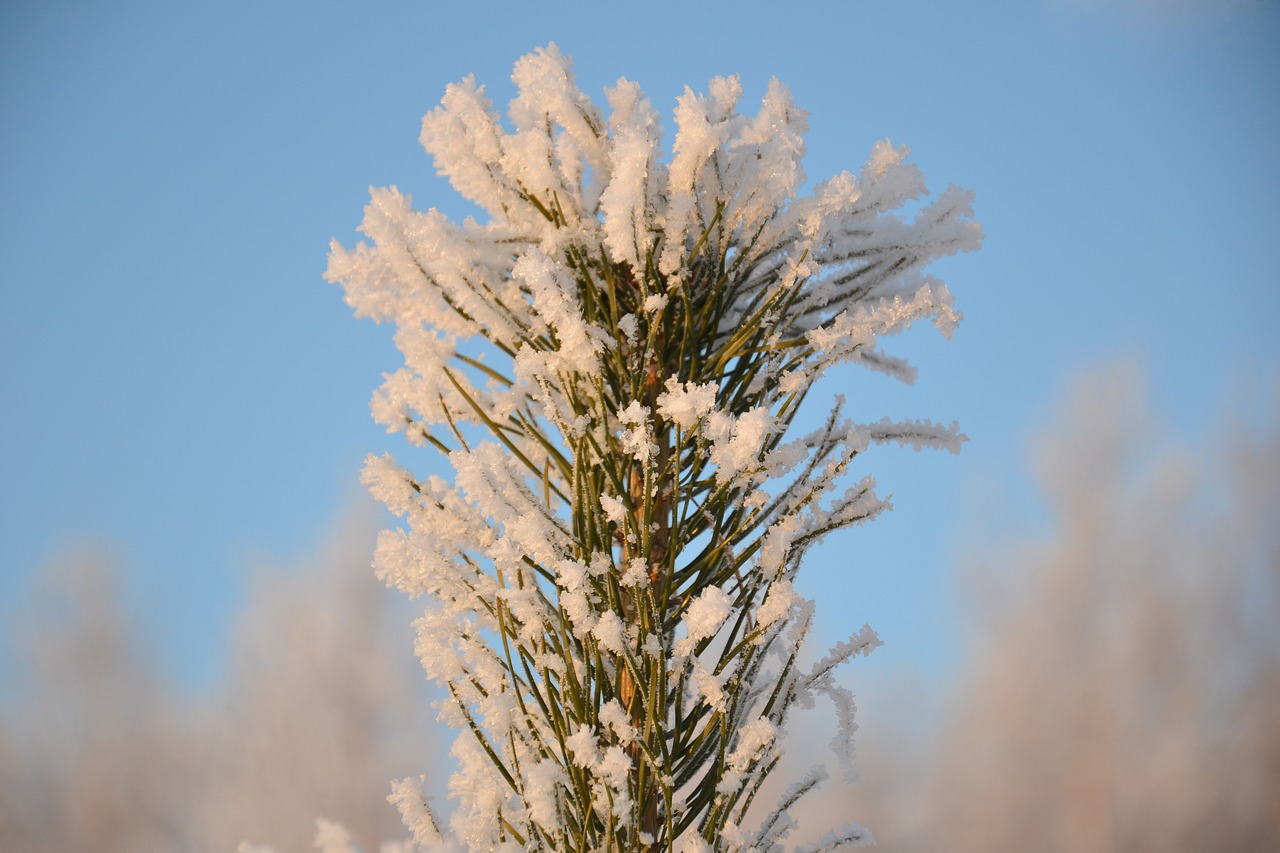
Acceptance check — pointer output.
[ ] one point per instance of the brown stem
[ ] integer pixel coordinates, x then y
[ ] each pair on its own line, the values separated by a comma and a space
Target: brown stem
656, 559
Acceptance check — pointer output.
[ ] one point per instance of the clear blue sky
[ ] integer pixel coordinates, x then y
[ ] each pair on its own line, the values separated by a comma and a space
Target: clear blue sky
178, 381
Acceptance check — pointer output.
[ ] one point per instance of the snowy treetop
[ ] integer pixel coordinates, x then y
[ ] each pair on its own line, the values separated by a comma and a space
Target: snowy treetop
611, 363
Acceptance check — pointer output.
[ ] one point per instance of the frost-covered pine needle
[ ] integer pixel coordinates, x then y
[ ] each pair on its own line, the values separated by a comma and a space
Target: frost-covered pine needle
611, 363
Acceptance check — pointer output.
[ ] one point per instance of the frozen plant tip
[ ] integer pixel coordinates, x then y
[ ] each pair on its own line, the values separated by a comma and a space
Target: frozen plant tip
611, 364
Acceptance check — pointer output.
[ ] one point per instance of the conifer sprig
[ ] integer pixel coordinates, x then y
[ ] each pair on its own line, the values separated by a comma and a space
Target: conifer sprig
612, 364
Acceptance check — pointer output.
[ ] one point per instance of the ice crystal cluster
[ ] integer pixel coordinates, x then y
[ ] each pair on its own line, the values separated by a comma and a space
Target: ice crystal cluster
611, 363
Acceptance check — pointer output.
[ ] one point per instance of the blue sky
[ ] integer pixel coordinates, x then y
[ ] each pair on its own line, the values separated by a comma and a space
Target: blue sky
179, 383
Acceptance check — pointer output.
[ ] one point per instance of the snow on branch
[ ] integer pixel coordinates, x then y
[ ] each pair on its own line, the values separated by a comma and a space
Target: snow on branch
611, 364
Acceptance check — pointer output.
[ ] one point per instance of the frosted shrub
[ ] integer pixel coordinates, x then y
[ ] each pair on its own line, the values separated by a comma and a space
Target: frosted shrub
612, 363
